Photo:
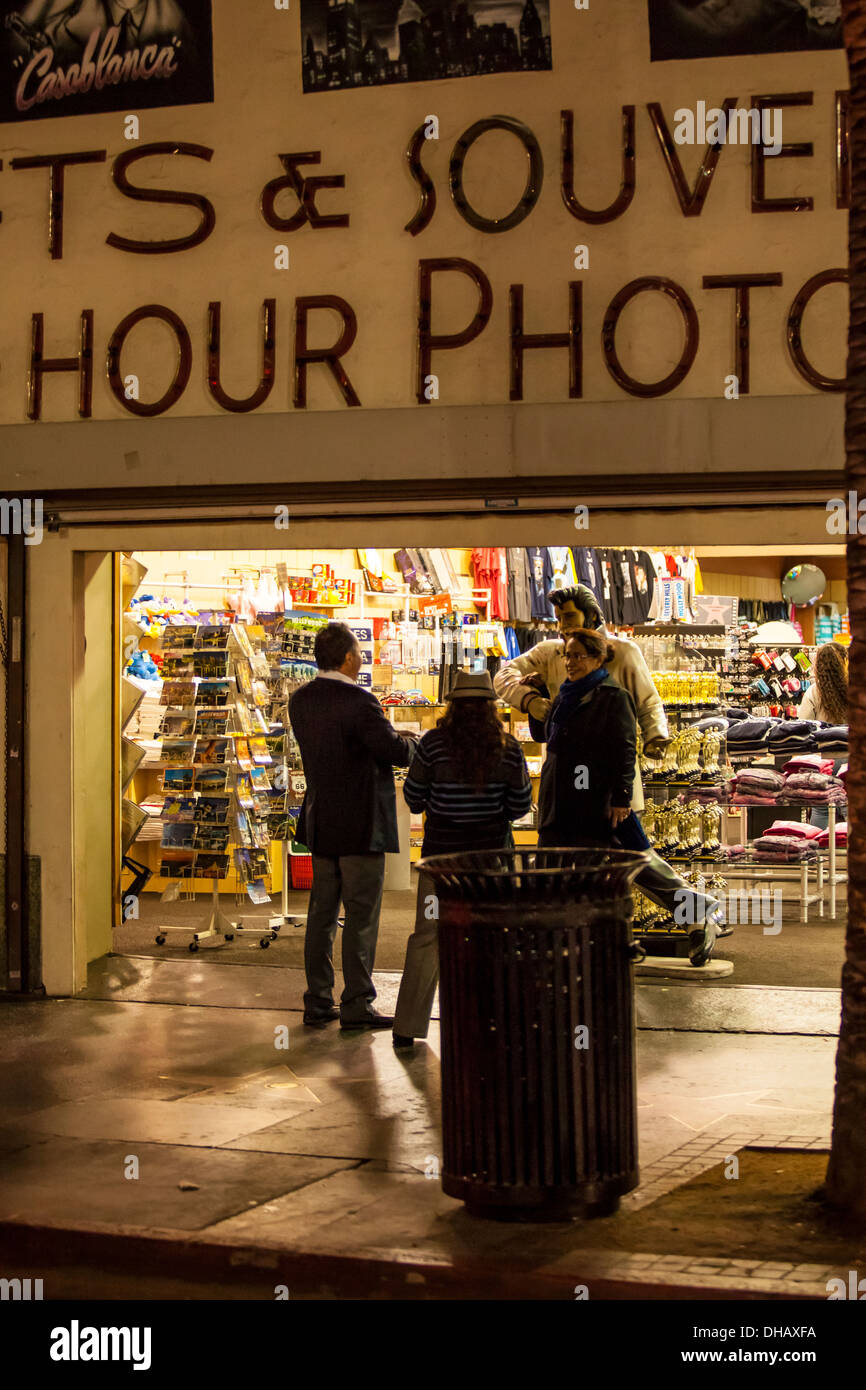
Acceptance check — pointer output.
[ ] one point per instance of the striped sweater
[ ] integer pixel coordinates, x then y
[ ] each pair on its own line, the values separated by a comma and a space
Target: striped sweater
461, 816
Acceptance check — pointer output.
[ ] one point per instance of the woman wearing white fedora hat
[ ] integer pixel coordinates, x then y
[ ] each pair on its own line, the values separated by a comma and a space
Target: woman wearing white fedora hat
471, 779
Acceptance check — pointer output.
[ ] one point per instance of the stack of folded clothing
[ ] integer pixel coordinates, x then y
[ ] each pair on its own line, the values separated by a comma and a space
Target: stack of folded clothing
823, 839
709, 793
732, 853
756, 786
734, 713
809, 762
792, 736
787, 842
832, 739
814, 789
749, 737
842, 774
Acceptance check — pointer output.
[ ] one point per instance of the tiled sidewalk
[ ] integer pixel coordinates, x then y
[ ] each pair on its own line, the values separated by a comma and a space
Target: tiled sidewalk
318, 1158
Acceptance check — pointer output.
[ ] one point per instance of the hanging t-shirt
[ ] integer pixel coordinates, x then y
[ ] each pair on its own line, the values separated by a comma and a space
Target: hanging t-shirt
519, 585
630, 608
587, 568
488, 564
689, 568
612, 585
606, 596
562, 567
659, 563
643, 581
541, 580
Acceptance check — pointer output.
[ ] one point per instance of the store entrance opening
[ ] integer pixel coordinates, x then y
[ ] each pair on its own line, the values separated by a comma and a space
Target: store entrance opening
746, 802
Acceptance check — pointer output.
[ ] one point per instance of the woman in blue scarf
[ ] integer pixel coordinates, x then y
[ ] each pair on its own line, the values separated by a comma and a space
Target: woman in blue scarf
587, 778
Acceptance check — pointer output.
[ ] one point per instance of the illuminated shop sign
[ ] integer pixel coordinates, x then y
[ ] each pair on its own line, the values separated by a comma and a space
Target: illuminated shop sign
308, 194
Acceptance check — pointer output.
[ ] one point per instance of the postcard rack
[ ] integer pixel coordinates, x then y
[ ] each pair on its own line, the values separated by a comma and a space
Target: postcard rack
218, 756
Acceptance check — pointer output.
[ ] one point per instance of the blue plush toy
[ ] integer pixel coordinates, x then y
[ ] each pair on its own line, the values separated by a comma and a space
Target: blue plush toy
143, 667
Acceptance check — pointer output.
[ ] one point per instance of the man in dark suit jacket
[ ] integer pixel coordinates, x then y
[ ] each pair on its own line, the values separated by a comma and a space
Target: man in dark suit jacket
348, 821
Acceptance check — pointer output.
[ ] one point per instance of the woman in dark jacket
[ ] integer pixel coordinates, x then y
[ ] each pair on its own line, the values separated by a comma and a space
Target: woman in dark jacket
587, 778
470, 778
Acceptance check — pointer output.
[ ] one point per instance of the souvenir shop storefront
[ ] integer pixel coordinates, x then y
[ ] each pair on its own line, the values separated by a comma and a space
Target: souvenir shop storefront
205, 779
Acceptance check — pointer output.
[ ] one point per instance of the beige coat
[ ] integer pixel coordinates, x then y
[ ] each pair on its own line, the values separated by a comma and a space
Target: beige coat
627, 667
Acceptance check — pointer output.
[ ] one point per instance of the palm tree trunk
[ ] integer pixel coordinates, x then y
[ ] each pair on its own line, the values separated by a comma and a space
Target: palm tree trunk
845, 1186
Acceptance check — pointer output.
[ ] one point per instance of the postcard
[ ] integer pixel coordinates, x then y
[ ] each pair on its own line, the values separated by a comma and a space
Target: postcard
281, 826
179, 808
212, 809
176, 864
213, 638
213, 838
243, 828
212, 866
211, 723
213, 693
179, 637
177, 723
174, 667
244, 792
241, 636
178, 693
178, 779
259, 751
211, 665
211, 779
242, 754
252, 864
242, 714
178, 835
177, 752
210, 750
244, 679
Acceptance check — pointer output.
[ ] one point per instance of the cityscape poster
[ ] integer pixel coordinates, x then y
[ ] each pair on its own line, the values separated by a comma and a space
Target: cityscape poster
719, 28
368, 43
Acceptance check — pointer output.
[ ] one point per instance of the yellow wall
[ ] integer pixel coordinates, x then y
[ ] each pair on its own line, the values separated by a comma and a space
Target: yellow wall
94, 786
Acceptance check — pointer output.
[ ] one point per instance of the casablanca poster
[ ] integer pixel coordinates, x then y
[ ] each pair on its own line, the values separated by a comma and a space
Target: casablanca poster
721, 28
77, 57
370, 43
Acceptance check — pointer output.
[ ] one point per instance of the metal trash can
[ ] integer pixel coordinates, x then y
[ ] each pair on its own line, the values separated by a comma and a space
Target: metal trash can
539, 1111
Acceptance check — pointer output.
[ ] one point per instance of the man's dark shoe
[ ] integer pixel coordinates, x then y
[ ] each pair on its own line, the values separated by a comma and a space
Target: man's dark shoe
400, 1041
701, 943
321, 1020
373, 1020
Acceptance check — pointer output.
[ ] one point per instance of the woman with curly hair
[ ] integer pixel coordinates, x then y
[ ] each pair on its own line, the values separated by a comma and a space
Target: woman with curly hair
470, 778
827, 701
827, 697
